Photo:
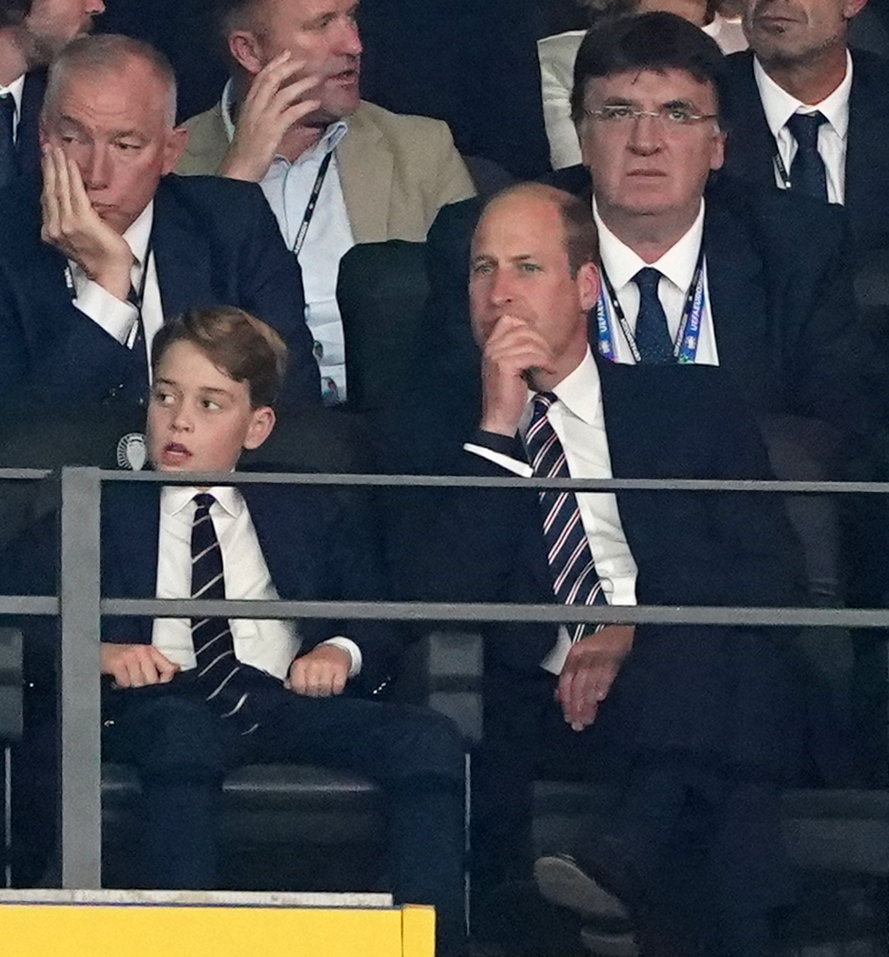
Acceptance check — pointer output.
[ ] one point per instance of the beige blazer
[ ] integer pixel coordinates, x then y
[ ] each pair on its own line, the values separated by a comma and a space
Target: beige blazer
396, 171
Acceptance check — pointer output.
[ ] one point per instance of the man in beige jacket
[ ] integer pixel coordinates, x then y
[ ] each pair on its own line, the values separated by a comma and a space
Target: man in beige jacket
336, 170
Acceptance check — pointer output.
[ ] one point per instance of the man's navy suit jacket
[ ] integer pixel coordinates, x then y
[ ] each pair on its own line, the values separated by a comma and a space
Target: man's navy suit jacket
316, 544
750, 146
215, 242
725, 692
780, 293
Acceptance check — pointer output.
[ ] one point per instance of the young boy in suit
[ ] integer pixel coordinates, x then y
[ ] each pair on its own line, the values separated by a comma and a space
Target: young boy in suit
190, 699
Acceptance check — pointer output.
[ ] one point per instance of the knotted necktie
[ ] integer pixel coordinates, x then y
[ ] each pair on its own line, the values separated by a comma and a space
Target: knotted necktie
575, 581
217, 668
807, 173
8, 162
652, 334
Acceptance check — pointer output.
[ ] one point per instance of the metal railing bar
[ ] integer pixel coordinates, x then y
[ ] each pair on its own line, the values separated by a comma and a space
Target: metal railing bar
29, 605
79, 666
488, 612
31, 474
465, 481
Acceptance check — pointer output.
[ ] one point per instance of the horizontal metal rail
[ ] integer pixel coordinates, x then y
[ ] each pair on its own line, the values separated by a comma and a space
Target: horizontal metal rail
466, 481
489, 612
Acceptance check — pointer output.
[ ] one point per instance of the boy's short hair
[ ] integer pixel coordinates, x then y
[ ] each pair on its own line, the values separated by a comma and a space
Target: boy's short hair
242, 346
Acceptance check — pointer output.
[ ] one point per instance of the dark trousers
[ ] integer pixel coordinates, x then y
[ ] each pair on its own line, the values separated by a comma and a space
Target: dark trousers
182, 751
707, 837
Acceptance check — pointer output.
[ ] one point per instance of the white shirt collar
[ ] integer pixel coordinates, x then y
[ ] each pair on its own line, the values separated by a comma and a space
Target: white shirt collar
16, 88
174, 498
329, 141
139, 233
779, 105
579, 390
677, 264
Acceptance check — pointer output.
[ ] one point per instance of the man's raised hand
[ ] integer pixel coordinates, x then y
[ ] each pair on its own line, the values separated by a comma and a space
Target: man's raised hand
512, 352
277, 100
72, 225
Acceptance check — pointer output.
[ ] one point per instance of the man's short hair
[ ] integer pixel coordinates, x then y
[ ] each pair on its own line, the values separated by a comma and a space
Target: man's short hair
656, 41
240, 345
231, 15
107, 52
580, 238
13, 12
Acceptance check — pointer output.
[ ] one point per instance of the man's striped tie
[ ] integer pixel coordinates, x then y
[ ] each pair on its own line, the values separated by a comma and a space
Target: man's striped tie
575, 581
217, 667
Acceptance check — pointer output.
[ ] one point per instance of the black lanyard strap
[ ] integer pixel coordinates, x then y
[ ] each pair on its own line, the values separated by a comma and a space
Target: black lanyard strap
312, 203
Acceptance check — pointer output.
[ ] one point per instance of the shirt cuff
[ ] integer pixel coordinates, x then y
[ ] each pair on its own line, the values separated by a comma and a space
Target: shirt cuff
353, 651
499, 449
115, 316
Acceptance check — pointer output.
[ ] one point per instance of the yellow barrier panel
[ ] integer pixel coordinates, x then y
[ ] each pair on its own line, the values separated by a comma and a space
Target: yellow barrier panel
157, 930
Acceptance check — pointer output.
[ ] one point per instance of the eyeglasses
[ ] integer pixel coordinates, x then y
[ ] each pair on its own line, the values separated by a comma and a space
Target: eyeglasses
672, 116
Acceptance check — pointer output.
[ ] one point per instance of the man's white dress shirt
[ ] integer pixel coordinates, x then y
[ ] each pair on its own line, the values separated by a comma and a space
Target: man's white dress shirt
266, 644
15, 90
578, 419
287, 187
678, 268
779, 106
119, 317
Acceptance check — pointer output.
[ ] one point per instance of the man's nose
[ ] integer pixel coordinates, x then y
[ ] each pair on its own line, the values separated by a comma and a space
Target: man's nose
646, 133
350, 40
96, 170
501, 289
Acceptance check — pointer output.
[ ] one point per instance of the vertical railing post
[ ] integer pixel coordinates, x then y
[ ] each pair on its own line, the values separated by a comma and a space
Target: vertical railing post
80, 832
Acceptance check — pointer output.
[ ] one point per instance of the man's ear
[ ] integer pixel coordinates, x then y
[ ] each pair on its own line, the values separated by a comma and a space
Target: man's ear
260, 428
588, 285
245, 50
176, 140
852, 7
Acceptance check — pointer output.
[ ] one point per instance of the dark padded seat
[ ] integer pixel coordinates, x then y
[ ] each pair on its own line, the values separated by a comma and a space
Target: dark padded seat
274, 802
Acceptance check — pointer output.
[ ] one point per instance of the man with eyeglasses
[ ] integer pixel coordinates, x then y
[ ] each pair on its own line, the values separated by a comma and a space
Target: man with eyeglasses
700, 268
702, 271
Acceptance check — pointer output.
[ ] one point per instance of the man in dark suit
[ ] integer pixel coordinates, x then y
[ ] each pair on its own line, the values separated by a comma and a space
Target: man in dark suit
32, 32
695, 725
800, 75
113, 245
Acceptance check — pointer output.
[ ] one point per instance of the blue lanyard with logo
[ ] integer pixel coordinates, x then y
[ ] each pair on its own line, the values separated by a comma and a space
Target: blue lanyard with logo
685, 345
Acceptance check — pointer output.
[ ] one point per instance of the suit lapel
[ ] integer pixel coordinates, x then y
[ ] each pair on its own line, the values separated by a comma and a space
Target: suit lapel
28, 139
867, 165
182, 253
273, 512
736, 287
365, 168
751, 146
131, 514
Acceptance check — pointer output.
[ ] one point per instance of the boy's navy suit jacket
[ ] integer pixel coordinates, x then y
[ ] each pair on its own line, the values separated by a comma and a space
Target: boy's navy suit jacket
316, 548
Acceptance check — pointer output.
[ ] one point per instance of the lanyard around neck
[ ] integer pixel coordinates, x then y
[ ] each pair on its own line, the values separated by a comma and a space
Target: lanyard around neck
312, 203
685, 345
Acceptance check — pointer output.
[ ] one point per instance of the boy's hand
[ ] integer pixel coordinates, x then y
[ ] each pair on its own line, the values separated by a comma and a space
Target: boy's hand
320, 673
72, 225
135, 666
590, 668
